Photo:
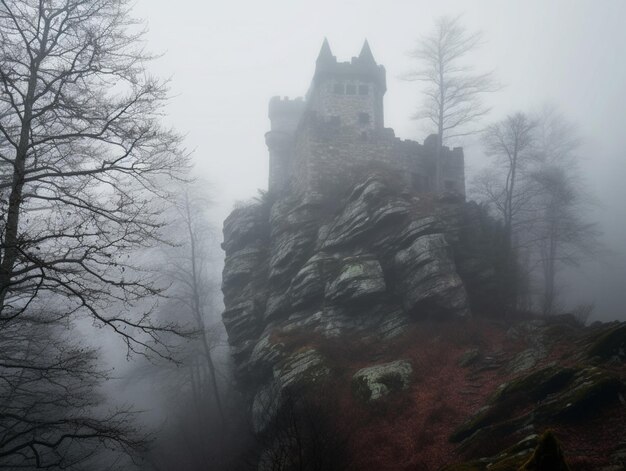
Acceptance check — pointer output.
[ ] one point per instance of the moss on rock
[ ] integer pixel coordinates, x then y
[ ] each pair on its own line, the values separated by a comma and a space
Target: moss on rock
611, 343
376, 381
537, 385
483, 417
590, 390
548, 456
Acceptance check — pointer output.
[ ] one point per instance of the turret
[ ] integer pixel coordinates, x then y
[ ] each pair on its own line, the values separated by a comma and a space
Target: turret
284, 116
350, 91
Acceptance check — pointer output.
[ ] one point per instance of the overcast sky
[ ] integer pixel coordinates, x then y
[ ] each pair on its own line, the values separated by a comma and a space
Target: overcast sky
226, 59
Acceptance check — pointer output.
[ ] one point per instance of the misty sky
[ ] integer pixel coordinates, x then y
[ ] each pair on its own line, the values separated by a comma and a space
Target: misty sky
226, 59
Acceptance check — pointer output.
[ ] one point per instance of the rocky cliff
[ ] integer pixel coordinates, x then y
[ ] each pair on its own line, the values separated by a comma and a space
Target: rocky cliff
379, 308
369, 264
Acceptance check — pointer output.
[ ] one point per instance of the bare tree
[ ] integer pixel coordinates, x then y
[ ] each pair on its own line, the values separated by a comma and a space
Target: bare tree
453, 90
535, 188
505, 186
206, 428
80, 152
561, 233
302, 433
190, 271
510, 142
51, 414
82, 164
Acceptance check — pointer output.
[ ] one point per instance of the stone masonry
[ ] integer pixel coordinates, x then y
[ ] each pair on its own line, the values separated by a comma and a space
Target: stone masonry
328, 142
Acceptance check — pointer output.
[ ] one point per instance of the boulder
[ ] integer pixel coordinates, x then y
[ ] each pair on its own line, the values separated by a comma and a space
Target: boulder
536, 385
374, 382
610, 344
553, 394
590, 390
527, 359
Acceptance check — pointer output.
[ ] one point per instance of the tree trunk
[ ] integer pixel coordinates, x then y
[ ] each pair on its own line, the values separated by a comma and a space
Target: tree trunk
11, 230
198, 313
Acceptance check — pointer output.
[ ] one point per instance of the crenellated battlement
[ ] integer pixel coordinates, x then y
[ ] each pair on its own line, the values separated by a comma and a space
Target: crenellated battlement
285, 104
326, 142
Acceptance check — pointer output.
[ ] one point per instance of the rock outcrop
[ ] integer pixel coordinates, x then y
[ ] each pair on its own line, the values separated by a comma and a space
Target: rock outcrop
381, 302
371, 263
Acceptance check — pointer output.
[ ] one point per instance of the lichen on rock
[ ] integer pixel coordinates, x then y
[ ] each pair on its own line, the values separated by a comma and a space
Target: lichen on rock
360, 279
374, 382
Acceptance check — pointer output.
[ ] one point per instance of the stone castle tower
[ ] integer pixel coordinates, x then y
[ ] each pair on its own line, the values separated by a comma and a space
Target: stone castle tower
325, 143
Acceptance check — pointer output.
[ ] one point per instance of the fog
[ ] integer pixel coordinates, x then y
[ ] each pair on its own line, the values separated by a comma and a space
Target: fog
226, 59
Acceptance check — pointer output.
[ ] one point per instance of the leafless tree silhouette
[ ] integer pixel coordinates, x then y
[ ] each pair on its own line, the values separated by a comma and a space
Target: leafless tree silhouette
534, 186
51, 411
453, 90
84, 166
81, 152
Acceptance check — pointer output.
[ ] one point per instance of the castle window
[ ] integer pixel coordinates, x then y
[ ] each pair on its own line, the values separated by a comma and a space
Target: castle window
350, 89
364, 118
364, 136
338, 89
364, 90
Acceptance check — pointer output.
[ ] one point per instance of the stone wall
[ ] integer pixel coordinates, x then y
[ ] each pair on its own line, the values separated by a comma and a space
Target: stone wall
354, 101
337, 137
285, 115
329, 157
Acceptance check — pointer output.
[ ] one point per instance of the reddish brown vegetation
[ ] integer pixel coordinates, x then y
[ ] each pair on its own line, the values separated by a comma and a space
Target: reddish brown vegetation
410, 430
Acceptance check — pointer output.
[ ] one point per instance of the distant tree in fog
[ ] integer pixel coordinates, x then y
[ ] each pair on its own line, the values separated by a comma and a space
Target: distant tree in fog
535, 188
203, 418
83, 159
453, 90
561, 233
506, 188
194, 288
510, 142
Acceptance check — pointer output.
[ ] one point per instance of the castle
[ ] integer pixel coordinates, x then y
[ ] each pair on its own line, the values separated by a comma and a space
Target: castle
336, 136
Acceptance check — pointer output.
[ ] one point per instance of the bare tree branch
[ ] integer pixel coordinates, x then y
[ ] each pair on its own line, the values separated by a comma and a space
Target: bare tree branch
452, 91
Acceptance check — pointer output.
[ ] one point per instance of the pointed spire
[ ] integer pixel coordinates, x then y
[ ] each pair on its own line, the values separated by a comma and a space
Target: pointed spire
325, 54
366, 53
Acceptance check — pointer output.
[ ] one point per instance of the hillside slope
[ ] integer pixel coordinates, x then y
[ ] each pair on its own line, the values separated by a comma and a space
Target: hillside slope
366, 335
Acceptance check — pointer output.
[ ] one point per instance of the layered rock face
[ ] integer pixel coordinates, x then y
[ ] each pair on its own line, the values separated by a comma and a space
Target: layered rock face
376, 306
369, 264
